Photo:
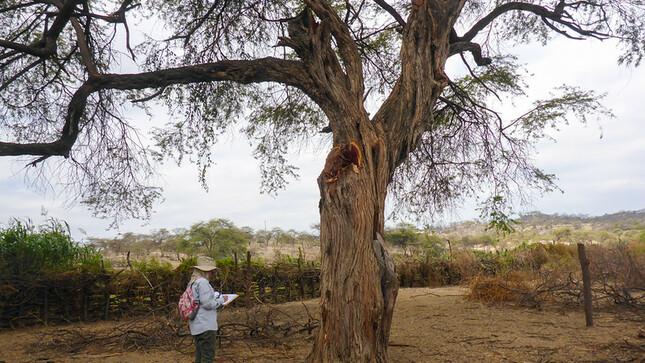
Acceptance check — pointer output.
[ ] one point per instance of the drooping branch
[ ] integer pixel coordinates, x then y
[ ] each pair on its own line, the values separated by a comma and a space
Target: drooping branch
69, 134
241, 71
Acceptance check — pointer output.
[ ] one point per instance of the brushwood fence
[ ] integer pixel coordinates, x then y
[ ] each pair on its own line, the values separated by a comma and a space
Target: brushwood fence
81, 296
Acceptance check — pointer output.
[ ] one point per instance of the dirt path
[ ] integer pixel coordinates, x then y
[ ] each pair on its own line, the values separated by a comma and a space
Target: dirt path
430, 325
433, 325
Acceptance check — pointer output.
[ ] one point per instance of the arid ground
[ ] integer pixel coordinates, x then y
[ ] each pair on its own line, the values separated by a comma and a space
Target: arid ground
430, 325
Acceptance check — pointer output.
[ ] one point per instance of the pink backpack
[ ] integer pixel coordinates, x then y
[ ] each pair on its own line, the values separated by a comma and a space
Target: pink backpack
187, 305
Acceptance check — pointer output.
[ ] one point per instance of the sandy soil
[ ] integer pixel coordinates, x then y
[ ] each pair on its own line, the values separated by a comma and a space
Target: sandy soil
430, 325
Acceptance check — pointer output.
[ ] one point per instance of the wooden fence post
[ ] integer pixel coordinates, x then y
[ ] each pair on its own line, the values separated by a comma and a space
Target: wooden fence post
248, 279
106, 301
301, 280
274, 284
586, 284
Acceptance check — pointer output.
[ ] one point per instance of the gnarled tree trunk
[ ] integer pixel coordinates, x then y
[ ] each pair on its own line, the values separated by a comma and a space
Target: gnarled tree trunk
359, 285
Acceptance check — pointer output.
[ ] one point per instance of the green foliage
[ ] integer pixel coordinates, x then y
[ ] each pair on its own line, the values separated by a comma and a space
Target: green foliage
220, 237
152, 265
433, 245
403, 235
561, 234
25, 249
186, 264
497, 212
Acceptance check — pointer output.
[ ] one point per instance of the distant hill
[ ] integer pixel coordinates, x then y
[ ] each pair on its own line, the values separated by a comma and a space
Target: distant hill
541, 222
608, 222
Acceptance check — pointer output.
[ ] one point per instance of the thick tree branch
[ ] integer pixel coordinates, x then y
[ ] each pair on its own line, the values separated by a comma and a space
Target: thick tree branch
474, 48
63, 145
346, 45
557, 16
387, 7
241, 71
409, 108
268, 69
550, 18
46, 46
336, 85
84, 48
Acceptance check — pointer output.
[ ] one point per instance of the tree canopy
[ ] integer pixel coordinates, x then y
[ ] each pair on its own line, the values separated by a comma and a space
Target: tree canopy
66, 59
220, 237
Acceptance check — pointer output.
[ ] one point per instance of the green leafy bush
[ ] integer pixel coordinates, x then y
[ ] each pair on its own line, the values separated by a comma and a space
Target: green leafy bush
152, 265
25, 249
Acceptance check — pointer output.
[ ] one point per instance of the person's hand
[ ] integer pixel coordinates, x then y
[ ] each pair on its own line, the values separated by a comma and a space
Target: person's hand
225, 298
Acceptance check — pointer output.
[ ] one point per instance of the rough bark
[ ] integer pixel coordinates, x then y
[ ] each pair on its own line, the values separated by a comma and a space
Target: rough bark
359, 286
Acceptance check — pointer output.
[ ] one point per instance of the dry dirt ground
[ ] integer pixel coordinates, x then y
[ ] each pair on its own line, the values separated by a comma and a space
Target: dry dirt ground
430, 325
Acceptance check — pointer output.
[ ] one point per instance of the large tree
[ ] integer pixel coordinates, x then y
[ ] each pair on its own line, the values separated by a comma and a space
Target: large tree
371, 74
220, 237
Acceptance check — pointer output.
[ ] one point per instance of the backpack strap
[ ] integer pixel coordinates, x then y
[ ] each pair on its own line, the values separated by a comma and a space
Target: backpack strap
192, 283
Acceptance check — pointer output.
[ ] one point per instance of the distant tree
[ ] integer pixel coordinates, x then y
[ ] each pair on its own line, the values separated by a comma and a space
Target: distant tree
100, 244
606, 237
149, 244
433, 245
468, 240
160, 236
285, 237
307, 239
119, 244
263, 236
478, 240
316, 228
220, 237
584, 236
248, 232
404, 235
487, 240
184, 244
634, 235
561, 234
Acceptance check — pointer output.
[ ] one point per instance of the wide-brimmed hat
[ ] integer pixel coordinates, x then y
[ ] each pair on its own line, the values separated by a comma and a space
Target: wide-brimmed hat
205, 263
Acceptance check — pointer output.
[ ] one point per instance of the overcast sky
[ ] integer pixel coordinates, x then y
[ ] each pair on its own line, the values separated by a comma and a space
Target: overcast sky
597, 175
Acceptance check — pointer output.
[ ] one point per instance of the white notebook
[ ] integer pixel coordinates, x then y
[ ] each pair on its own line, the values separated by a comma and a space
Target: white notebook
230, 297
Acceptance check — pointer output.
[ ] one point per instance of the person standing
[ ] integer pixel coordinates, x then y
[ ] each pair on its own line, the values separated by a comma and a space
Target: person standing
203, 327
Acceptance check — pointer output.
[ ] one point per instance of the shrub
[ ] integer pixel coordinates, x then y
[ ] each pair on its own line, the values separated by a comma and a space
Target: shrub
25, 249
562, 250
500, 288
152, 265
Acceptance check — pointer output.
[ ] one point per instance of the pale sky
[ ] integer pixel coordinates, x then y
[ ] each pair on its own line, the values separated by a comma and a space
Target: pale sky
598, 175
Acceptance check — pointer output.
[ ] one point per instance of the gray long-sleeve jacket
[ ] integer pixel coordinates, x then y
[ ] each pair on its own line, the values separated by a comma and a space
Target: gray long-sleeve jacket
209, 301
